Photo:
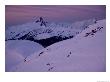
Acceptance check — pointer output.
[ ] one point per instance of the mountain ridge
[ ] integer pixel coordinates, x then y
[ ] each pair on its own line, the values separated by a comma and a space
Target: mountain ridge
38, 33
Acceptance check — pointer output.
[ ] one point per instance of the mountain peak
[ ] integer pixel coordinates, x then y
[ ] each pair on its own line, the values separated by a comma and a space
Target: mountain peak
41, 21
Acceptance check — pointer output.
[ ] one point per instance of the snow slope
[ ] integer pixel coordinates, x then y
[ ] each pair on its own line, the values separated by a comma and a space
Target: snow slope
83, 53
18, 50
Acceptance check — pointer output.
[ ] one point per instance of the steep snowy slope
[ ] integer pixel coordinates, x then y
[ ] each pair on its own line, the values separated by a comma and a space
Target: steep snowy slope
18, 50
83, 53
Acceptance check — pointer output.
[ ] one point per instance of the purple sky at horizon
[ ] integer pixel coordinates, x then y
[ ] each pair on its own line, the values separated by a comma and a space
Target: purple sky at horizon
19, 14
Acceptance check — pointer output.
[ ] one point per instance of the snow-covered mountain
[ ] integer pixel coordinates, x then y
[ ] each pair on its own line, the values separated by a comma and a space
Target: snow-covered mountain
83, 53
49, 32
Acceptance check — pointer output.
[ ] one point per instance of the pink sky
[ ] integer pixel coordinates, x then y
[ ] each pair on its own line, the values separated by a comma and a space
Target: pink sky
19, 14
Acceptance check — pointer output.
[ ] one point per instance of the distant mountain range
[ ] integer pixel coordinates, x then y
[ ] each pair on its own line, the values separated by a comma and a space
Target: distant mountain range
46, 33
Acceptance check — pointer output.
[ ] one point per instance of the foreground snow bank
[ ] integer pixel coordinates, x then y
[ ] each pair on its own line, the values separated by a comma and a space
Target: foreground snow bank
18, 50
